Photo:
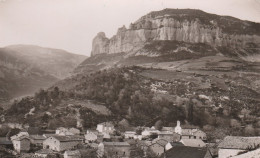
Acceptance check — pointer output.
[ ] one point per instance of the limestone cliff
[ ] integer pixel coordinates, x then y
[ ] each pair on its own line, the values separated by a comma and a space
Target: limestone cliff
192, 26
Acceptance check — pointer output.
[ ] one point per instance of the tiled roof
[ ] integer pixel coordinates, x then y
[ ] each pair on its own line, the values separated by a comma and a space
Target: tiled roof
234, 142
161, 142
185, 152
176, 144
116, 144
67, 138
37, 137
168, 129
21, 138
107, 124
193, 142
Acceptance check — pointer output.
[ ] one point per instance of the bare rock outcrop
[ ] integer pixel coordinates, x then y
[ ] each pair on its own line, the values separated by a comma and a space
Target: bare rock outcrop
193, 26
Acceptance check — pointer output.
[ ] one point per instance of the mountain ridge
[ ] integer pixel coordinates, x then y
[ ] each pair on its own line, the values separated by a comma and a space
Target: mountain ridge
187, 25
27, 68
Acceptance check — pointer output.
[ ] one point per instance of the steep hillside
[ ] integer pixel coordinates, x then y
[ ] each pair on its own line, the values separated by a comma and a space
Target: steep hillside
25, 69
210, 93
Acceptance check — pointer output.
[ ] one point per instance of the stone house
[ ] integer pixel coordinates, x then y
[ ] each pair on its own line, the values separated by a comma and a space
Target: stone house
74, 131
166, 136
158, 146
233, 145
72, 154
37, 139
61, 143
129, 134
199, 134
187, 152
118, 149
91, 136
157, 149
149, 131
105, 127
63, 131
21, 144
190, 133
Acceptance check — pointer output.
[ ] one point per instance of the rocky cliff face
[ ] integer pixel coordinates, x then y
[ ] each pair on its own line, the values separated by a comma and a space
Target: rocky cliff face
192, 26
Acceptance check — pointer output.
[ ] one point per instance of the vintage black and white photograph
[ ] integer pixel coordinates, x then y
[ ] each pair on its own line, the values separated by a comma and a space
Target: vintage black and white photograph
129, 78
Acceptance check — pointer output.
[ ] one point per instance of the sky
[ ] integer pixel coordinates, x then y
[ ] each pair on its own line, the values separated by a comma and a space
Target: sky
72, 24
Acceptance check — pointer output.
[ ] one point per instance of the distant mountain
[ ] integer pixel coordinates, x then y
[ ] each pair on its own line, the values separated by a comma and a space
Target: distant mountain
26, 68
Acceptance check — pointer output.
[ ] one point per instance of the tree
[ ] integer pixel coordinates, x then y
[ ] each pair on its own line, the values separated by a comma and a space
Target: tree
249, 130
158, 125
234, 123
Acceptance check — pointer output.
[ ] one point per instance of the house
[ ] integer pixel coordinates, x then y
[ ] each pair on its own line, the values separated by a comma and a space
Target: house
61, 143
199, 134
21, 144
149, 131
190, 133
138, 137
63, 131
129, 134
233, 145
187, 152
193, 142
166, 136
109, 149
170, 145
6, 143
74, 131
72, 154
157, 148
37, 139
105, 127
43, 153
91, 136
168, 129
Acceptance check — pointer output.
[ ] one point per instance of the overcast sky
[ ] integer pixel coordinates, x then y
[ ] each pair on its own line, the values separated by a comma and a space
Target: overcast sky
72, 24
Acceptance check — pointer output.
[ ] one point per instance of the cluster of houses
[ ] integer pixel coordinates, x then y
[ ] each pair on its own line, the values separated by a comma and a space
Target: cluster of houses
168, 142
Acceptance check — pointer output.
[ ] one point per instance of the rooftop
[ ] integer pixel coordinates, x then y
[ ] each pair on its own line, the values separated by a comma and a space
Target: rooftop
67, 138
235, 142
72, 153
116, 144
193, 142
185, 152
38, 137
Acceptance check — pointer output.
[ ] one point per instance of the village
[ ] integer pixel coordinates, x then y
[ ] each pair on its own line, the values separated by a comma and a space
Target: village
106, 141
